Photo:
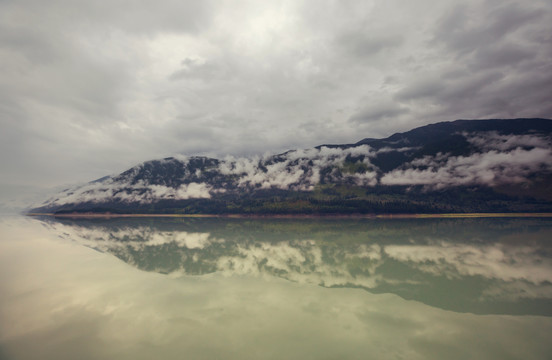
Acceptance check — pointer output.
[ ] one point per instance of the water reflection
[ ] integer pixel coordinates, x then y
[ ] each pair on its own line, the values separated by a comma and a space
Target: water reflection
483, 266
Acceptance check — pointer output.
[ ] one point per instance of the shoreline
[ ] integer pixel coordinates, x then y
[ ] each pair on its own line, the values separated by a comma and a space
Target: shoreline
297, 216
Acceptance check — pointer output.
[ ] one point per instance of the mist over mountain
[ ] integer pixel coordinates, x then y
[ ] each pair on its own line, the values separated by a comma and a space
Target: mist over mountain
460, 166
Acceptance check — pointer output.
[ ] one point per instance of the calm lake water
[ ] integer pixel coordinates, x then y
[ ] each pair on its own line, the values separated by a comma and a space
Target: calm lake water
212, 288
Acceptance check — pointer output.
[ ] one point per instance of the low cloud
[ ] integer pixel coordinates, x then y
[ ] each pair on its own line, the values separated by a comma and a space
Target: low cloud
495, 159
110, 190
295, 170
489, 168
301, 169
503, 160
494, 141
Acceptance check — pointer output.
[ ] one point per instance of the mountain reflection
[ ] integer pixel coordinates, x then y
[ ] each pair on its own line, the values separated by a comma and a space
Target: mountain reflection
484, 266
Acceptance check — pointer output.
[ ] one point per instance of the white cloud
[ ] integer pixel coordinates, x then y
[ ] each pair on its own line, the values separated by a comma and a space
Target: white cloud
498, 159
502, 160
294, 170
110, 190
493, 141
299, 169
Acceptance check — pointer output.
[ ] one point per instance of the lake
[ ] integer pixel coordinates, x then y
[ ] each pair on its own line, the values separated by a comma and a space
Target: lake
222, 288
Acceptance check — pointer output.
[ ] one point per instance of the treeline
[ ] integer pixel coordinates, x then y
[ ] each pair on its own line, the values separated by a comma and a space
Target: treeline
336, 201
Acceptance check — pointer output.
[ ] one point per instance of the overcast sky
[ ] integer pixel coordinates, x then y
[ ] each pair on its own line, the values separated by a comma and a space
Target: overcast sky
91, 88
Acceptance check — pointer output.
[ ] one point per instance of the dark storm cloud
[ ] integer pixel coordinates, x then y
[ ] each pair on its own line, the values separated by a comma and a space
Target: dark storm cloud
486, 59
468, 86
495, 56
378, 112
421, 88
468, 28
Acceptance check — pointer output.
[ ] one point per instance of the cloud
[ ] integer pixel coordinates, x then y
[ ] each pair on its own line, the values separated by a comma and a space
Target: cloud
510, 271
87, 90
193, 69
94, 306
480, 61
301, 169
378, 111
421, 88
192, 177
111, 190
495, 159
492, 262
502, 160
492, 140
467, 28
362, 45
503, 55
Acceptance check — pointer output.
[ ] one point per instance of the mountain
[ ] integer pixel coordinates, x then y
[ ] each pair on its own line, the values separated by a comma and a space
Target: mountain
460, 166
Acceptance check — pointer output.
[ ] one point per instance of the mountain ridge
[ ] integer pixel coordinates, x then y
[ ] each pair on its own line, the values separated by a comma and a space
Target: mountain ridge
501, 165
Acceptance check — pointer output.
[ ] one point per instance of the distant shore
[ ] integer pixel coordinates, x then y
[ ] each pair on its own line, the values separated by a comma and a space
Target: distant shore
296, 216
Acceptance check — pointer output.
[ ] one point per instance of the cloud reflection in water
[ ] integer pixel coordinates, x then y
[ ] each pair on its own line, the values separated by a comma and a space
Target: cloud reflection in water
62, 300
468, 265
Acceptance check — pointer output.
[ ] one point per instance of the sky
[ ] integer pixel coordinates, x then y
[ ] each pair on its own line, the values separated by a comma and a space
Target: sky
92, 88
